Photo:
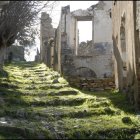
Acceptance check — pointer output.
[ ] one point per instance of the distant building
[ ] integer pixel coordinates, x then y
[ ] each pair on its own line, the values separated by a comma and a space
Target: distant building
17, 53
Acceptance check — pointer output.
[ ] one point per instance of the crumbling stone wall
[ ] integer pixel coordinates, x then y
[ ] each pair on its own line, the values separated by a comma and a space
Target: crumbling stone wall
57, 49
92, 84
85, 49
96, 57
100, 61
63, 50
124, 15
46, 32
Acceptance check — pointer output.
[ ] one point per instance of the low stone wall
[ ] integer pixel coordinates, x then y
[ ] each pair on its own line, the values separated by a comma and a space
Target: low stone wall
92, 84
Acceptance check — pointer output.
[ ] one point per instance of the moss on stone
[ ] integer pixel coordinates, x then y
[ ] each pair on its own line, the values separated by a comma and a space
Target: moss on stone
30, 99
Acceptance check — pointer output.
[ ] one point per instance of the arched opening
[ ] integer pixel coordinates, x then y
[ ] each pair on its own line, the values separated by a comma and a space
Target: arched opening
85, 72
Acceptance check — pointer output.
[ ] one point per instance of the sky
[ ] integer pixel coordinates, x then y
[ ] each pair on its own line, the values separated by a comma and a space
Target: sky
84, 33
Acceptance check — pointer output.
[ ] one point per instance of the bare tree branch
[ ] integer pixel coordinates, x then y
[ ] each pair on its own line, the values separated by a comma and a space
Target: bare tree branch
17, 17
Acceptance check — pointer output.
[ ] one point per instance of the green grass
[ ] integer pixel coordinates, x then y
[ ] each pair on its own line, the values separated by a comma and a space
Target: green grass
37, 103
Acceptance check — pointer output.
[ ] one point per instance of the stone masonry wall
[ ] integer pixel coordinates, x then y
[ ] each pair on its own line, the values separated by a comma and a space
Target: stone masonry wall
123, 15
94, 61
99, 55
46, 32
100, 61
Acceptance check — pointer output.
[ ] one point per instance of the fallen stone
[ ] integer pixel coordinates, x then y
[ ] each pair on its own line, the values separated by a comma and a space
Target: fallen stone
55, 81
126, 120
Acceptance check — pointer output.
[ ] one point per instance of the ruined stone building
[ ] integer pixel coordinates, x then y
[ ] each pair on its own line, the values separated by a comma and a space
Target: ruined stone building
46, 32
126, 27
17, 53
92, 59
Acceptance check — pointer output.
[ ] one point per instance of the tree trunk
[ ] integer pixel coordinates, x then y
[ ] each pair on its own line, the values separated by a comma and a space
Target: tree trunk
2, 56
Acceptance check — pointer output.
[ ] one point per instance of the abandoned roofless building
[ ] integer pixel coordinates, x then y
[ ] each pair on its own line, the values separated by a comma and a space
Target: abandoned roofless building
113, 51
92, 59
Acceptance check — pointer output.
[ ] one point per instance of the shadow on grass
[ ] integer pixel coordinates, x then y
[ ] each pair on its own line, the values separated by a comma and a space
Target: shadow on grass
11, 102
117, 99
8, 91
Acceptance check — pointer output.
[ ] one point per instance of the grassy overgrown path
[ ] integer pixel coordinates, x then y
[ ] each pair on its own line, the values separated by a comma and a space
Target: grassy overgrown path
35, 102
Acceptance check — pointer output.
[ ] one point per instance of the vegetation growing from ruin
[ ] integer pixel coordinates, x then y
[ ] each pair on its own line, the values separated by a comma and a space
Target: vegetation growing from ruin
36, 102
